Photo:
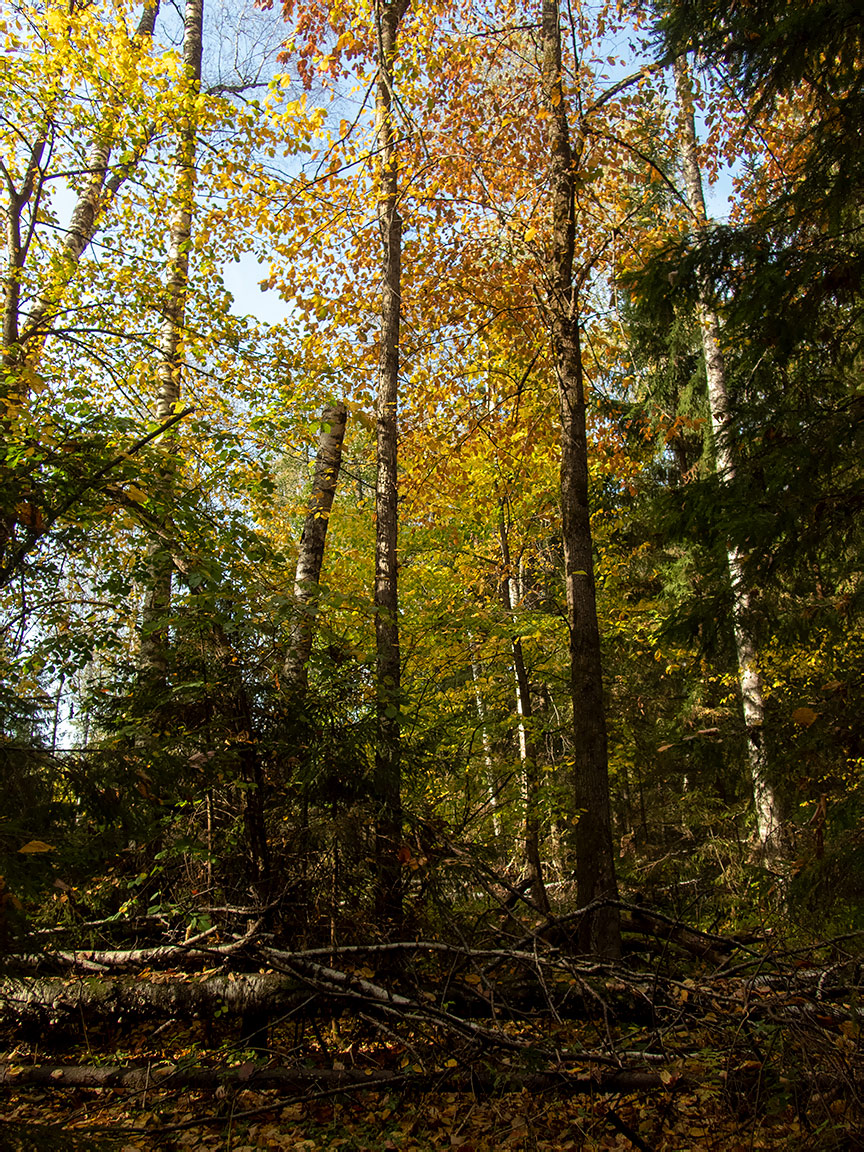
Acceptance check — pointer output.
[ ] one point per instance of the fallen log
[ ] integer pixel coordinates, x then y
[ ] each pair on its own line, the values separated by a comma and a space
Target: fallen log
119, 997
478, 1079
455, 1005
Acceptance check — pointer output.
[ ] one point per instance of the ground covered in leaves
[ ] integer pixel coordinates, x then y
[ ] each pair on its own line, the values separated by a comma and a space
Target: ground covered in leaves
158, 1036
758, 1071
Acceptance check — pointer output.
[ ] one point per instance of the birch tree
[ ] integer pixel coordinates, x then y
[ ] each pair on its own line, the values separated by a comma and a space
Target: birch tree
527, 744
311, 555
749, 679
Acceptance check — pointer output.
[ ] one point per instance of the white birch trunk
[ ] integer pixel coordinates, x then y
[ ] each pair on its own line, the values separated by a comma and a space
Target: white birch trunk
749, 679
529, 777
311, 556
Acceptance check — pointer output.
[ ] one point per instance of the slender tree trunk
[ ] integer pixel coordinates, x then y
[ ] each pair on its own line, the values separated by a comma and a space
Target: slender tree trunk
768, 825
388, 768
311, 555
476, 674
527, 748
595, 864
153, 652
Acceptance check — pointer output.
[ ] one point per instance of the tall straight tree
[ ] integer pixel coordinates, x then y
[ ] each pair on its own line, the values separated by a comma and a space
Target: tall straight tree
153, 655
749, 679
595, 868
388, 769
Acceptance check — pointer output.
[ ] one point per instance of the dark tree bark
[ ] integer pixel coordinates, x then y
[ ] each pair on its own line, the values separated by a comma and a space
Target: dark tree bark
311, 555
595, 868
388, 768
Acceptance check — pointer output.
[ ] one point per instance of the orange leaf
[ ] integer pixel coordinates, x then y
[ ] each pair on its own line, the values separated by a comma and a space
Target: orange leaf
804, 716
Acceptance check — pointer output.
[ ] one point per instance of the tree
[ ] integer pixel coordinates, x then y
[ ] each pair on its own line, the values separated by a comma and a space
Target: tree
388, 17
767, 815
311, 555
40, 271
157, 603
595, 868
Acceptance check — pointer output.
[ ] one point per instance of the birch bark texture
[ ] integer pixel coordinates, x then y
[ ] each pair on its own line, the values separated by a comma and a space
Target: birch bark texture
307, 578
596, 884
388, 767
153, 650
768, 824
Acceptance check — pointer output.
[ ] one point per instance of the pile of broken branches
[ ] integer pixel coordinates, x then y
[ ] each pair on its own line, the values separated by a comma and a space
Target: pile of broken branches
484, 1019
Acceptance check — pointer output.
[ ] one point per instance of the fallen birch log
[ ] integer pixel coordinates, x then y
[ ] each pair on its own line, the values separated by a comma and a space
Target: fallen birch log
118, 997
146, 1078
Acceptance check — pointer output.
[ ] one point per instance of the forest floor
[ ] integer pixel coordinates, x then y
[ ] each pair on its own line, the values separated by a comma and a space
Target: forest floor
714, 1063
223, 1040
694, 1110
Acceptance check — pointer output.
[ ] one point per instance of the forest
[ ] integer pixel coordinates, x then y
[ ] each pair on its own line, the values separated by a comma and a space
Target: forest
431, 710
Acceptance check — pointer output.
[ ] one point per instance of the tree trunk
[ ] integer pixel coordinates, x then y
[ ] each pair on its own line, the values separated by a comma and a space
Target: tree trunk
311, 555
491, 790
527, 747
388, 769
153, 652
113, 997
767, 814
251, 1076
595, 866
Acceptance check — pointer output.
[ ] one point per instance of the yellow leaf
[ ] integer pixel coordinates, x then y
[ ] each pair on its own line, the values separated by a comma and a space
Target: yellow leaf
37, 846
804, 717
